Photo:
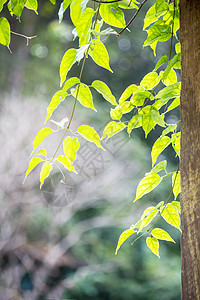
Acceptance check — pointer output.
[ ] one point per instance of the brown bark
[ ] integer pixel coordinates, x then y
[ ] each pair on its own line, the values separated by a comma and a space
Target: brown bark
190, 148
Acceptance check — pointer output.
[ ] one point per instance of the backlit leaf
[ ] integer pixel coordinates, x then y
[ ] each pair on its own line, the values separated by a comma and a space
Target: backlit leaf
138, 98
32, 164
83, 95
90, 134
116, 113
70, 147
75, 11
159, 167
161, 61
150, 81
32, 4
83, 26
66, 163
148, 215
161, 234
135, 122
160, 144
16, 7
99, 54
157, 117
46, 169
176, 142
177, 205
64, 5
112, 128
147, 184
41, 135
174, 104
153, 245
4, 32
104, 90
67, 62
171, 78
129, 92
57, 98
123, 237
171, 215
176, 184
112, 15
148, 122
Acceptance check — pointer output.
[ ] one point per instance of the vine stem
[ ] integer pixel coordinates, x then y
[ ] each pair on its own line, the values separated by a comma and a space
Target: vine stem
76, 97
131, 20
170, 52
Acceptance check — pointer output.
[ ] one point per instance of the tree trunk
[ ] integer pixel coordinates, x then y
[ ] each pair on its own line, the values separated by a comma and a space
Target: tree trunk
190, 148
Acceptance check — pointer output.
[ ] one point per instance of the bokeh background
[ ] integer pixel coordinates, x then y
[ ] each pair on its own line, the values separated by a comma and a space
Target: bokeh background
59, 242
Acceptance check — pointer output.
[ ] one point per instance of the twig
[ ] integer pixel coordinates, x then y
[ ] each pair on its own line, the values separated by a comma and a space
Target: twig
131, 20
111, 1
24, 36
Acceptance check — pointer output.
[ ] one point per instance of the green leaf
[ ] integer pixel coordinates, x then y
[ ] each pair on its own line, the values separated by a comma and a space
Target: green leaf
157, 117
83, 26
123, 237
147, 184
177, 205
170, 128
64, 5
42, 152
67, 62
70, 147
160, 144
75, 11
135, 122
139, 98
66, 163
154, 13
129, 92
83, 94
104, 90
4, 32
153, 245
127, 4
46, 169
112, 15
159, 167
150, 80
161, 234
178, 48
148, 215
32, 4
158, 32
171, 215
59, 96
16, 7
113, 128
148, 122
1, 4
41, 135
169, 92
32, 164
176, 142
99, 54
90, 134
161, 61
177, 184
171, 78
116, 113
125, 107
174, 104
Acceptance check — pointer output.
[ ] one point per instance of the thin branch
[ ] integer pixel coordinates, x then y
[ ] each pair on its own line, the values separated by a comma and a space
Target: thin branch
111, 1
24, 36
131, 20
170, 52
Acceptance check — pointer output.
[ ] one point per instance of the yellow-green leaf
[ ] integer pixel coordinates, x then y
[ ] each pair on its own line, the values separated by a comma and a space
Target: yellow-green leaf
32, 4
112, 15
4, 32
112, 128
161, 234
135, 122
176, 184
75, 11
174, 104
150, 80
147, 184
104, 90
66, 163
115, 113
70, 147
67, 62
123, 237
32, 164
83, 25
99, 54
177, 205
171, 78
157, 117
83, 95
153, 245
170, 215
160, 144
90, 134
41, 135
148, 122
176, 142
139, 98
148, 215
128, 92
46, 169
